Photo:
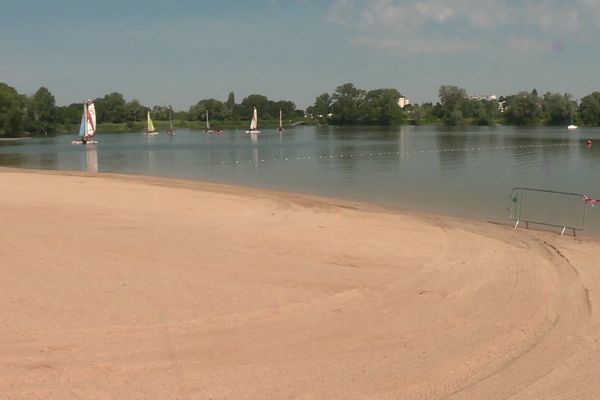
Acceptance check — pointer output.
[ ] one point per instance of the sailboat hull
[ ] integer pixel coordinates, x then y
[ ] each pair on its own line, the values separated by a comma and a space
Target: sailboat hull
252, 131
81, 142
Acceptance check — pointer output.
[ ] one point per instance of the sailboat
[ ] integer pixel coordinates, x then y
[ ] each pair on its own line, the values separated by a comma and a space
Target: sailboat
207, 130
280, 129
87, 128
171, 130
151, 129
572, 126
254, 122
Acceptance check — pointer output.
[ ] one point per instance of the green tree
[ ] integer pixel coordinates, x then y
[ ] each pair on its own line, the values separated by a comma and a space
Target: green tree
161, 113
492, 113
287, 108
217, 111
111, 108
134, 111
322, 106
523, 109
232, 108
347, 101
69, 115
381, 107
260, 102
42, 105
557, 108
421, 114
12, 111
589, 109
451, 100
41, 112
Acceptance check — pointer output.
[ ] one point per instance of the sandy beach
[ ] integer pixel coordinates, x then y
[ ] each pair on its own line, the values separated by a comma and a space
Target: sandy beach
120, 287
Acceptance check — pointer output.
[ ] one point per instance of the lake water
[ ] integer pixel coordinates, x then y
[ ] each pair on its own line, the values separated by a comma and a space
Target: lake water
464, 172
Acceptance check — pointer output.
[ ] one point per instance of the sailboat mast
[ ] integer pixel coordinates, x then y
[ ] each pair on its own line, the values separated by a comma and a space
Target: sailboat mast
85, 112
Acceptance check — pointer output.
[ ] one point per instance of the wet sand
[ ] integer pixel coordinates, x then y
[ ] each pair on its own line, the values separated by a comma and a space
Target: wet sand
120, 287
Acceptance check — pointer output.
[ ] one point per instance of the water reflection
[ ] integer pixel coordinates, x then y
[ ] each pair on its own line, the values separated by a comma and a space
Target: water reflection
13, 160
151, 162
402, 138
91, 158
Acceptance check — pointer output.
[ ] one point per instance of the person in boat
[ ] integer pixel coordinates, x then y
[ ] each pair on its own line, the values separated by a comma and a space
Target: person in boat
83, 140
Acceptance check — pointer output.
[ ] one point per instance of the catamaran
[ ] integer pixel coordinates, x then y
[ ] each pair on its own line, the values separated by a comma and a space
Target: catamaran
280, 129
87, 129
254, 122
207, 130
171, 130
151, 129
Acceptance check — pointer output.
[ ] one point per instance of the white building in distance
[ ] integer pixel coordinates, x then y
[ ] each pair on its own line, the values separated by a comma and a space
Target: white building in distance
403, 101
489, 98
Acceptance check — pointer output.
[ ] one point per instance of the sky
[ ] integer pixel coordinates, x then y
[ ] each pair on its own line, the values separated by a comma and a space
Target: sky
177, 52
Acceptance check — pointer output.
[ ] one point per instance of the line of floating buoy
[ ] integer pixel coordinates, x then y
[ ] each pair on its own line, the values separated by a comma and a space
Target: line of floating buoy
403, 154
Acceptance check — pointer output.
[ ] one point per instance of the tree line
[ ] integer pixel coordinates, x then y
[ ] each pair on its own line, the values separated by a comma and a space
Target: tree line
39, 114
349, 105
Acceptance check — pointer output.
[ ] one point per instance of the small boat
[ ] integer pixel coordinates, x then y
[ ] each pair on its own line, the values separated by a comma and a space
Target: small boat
151, 129
87, 129
572, 126
207, 130
171, 130
219, 132
280, 129
254, 122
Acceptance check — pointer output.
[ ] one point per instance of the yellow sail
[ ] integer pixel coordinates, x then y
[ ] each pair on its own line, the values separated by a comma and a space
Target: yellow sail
150, 124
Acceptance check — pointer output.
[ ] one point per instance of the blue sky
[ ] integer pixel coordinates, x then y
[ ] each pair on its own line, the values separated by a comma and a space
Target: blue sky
181, 51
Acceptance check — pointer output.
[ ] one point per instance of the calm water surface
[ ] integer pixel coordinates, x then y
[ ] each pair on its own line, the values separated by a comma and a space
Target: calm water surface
466, 172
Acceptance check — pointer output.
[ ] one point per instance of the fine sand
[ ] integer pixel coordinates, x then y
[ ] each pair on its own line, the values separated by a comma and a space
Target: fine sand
117, 287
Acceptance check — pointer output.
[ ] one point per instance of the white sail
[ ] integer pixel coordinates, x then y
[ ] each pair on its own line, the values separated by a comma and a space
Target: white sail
83, 122
280, 128
207, 123
87, 128
254, 122
90, 123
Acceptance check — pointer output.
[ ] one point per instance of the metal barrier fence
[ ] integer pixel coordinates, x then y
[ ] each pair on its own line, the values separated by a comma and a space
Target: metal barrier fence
547, 207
